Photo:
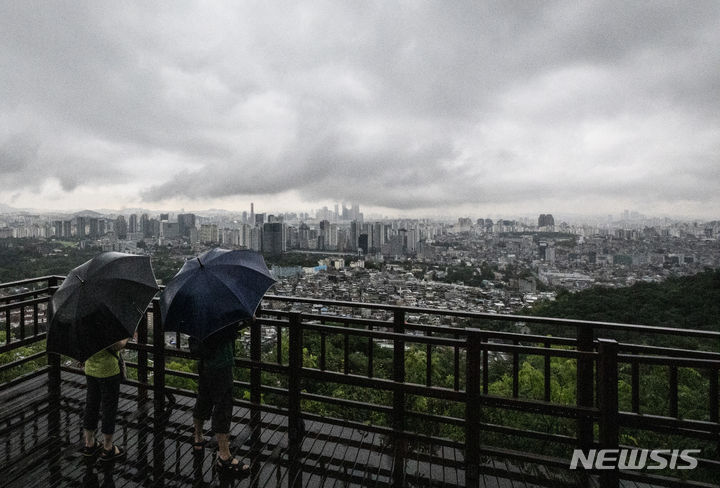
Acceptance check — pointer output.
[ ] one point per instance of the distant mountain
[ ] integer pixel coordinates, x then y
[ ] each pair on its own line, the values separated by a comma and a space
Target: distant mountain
87, 213
7, 209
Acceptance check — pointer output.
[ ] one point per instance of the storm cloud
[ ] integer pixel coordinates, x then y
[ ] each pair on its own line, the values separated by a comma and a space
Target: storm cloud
406, 106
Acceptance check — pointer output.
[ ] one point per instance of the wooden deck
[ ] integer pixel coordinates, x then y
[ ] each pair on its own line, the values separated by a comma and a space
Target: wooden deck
331, 455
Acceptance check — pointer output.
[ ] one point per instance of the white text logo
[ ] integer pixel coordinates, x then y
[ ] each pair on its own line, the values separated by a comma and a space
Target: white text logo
634, 459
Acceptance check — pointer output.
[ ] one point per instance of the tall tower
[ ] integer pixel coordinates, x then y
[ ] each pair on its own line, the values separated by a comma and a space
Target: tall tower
252, 213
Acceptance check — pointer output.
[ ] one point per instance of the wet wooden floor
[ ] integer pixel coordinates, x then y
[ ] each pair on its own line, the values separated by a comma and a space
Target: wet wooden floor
330, 455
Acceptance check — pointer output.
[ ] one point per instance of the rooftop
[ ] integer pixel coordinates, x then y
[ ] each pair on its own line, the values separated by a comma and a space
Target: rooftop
345, 400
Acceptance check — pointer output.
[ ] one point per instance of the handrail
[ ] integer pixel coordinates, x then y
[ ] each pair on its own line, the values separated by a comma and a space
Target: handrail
505, 317
593, 410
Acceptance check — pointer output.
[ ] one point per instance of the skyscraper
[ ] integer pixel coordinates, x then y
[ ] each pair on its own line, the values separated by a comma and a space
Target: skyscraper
133, 223
121, 227
354, 235
186, 222
80, 227
274, 238
324, 237
145, 225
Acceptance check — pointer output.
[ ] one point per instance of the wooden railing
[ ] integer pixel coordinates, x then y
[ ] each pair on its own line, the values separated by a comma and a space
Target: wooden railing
286, 371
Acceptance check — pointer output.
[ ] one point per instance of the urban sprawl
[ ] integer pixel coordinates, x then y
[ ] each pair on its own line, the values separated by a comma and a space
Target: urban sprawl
472, 264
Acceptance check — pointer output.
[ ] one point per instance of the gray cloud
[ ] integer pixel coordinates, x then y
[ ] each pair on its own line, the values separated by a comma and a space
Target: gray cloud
404, 106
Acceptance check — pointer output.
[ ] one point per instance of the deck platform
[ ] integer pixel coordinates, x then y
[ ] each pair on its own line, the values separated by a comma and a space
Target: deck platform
330, 456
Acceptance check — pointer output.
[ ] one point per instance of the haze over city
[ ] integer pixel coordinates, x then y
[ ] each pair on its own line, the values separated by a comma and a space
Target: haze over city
417, 109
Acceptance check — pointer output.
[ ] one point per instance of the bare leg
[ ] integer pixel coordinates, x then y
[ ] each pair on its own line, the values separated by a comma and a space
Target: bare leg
89, 437
199, 430
223, 446
107, 441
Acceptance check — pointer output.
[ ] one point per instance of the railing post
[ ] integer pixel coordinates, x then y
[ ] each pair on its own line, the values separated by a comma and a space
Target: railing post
142, 399
255, 393
54, 395
295, 431
52, 359
472, 410
158, 397
585, 384
608, 404
399, 400
673, 384
714, 398
142, 361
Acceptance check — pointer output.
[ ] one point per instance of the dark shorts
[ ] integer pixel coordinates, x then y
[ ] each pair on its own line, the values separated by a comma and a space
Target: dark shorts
102, 393
215, 398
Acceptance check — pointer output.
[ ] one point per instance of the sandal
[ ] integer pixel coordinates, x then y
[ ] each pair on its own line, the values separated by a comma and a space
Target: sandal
91, 451
111, 454
199, 446
229, 466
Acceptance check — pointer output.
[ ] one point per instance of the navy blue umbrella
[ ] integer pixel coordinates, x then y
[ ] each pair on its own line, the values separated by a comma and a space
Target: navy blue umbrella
99, 303
218, 288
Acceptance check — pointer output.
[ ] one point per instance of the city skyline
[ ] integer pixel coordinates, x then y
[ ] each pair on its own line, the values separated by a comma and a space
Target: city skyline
414, 110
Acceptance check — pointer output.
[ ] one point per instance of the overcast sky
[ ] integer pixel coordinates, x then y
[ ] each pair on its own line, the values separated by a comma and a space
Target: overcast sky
467, 108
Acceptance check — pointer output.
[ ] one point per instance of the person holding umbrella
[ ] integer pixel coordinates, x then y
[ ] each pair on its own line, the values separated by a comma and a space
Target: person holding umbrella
206, 300
215, 398
94, 313
102, 372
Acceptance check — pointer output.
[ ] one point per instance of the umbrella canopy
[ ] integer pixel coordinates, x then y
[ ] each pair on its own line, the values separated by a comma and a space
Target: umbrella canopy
214, 290
99, 303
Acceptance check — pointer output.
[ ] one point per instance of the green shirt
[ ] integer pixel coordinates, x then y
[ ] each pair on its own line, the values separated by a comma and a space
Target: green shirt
219, 357
102, 364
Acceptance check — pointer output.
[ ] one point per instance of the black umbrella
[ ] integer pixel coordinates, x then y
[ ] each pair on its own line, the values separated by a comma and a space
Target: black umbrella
99, 303
214, 290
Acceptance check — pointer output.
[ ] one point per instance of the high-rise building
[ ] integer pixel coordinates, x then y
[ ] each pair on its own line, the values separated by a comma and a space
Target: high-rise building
303, 235
546, 220
145, 225
133, 223
186, 222
378, 237
324, 237
354, 235
363, 243
169, 230
208, 233
259, 219
274, 238
80, 227
164, 216
292, 237
256, 238
121, 227
93, 228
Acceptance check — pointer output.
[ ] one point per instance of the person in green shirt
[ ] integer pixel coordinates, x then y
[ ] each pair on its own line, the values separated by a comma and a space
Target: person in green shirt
215, 398
102, 372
